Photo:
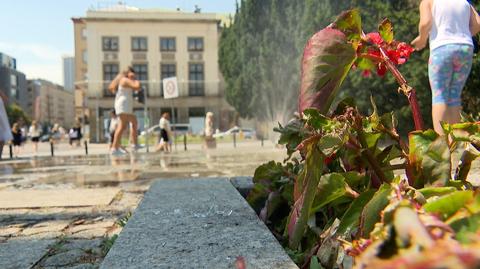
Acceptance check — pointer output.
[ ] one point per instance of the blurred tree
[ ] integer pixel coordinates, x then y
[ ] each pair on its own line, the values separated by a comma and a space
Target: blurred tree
16, 114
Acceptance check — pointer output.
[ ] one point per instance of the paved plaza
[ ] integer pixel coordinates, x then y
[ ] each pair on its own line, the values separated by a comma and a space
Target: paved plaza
65, 211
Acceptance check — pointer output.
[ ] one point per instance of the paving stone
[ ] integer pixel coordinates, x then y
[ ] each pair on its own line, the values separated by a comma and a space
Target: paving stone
18, 253
9, 231
198, 223
46, 226
91, 233
83, 244
84, 227
46, 235
83, 266
70, 257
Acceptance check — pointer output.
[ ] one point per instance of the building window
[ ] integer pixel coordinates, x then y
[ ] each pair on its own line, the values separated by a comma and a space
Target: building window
196, 85
84, 56
196, 112
141, 72
110, 43
13, 80
110, 71
139, 44
167, 71
84, 33
195, 44
167, 44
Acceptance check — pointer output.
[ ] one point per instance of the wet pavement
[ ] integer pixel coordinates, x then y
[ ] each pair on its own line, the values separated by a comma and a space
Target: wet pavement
66, 236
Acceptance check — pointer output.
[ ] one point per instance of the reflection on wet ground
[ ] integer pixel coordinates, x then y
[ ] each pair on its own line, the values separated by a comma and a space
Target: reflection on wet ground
103, 170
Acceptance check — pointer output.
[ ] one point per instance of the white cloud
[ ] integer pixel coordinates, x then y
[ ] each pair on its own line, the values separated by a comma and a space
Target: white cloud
36, 60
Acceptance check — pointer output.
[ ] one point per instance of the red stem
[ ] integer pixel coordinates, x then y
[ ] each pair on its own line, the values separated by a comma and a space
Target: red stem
406, 89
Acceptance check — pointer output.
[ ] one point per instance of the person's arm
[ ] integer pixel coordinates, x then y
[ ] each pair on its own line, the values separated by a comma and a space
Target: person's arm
134, 84
114, 84
474, 21
424, 26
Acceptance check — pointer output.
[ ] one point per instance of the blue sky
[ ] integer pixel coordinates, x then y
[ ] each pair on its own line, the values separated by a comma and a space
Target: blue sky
38, 32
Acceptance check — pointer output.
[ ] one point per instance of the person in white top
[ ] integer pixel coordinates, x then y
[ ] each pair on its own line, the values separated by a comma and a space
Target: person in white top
449, 26
5, 130
124, 85
34, 133
165, 133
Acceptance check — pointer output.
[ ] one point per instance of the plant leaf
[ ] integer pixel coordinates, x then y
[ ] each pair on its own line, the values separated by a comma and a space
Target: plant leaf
311, 173
386, 30
330, 187
351, 218
371, 212
447, 205
350, 23
327, 58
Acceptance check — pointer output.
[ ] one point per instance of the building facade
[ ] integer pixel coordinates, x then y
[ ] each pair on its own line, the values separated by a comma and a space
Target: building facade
13, 82
50, 103
68, 64
158, 45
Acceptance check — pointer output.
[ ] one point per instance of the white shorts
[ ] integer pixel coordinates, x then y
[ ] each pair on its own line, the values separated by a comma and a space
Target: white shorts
123, 105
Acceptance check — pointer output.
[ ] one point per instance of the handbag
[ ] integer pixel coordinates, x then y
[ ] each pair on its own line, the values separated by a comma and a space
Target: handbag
139, 96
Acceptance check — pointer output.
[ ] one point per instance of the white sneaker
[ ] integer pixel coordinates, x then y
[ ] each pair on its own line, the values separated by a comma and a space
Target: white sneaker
135, 148
117, 152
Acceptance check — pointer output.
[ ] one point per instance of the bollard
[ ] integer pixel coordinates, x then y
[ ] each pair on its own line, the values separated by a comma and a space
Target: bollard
11, 151
86, 147
262, 141
51, 147
185, 142
234, 140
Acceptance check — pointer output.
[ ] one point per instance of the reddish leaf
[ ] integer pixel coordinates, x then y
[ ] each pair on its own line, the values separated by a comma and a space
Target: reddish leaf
327, 58
375, 38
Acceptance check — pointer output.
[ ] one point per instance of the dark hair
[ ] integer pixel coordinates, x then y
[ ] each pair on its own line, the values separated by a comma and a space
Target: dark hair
113, 112
130, 69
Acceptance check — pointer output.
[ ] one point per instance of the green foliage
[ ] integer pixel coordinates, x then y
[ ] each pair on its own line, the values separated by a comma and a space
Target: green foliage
344, 198
16, 114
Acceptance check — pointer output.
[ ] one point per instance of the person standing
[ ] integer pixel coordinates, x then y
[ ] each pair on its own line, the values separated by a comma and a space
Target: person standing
34, 133
5, 131
75, 134
448, 26
17, 139
165, 133
124, 85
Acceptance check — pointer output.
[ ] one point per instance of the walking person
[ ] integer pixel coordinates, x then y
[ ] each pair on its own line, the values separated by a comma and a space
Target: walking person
165, 133
448, 26
75, 134
34, 132
124, 85
5, 131
17, 139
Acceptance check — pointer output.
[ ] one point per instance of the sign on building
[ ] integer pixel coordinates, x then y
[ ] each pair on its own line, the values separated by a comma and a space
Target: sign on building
170, 88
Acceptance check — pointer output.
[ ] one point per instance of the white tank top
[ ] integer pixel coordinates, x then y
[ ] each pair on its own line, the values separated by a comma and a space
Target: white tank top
124, 92
451, 23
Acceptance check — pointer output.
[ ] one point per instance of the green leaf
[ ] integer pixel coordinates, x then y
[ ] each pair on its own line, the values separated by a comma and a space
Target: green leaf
350, 23
270, 171
371, 212
365, 64
467, 228
430, 158
311, 173
448, 205
314, 119
386, 30
436, 191
315, 264
330, 144
351, 218
331, 187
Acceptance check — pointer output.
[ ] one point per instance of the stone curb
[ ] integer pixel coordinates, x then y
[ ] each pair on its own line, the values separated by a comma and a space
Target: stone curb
195, 223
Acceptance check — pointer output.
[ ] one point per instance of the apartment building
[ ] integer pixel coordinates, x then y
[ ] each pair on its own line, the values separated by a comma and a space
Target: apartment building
13, 83
50, 103
157, 44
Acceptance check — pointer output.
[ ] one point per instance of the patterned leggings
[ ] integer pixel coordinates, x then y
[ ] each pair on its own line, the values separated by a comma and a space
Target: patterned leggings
448, 70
